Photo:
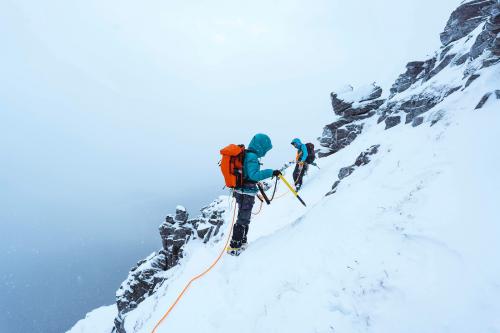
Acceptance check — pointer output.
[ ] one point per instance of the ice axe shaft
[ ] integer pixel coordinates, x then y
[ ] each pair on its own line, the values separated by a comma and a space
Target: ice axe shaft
292, 190
261, 189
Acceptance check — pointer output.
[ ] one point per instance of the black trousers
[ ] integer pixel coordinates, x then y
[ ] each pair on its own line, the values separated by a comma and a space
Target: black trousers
245, 204
298, 174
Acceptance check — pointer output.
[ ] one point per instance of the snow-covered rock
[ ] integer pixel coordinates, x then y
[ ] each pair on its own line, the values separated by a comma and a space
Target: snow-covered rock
465, 19
401, 228
149, 274
352, 106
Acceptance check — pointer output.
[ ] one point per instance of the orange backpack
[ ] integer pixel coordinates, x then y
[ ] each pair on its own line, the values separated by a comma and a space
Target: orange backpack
231, 164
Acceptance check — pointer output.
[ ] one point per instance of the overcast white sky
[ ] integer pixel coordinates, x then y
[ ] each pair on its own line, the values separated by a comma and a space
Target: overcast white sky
112, 112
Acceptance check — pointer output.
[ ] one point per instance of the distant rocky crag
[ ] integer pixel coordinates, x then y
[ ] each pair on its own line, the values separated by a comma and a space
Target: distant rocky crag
414, 93
175, 232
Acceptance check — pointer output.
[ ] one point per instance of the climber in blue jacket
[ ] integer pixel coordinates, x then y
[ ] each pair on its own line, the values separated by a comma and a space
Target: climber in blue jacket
301, 165
245, 195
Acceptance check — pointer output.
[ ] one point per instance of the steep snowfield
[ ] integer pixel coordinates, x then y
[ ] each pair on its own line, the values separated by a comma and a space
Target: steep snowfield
408, 243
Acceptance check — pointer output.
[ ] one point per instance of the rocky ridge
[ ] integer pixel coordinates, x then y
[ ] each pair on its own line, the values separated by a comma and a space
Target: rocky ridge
150, 273
470, 42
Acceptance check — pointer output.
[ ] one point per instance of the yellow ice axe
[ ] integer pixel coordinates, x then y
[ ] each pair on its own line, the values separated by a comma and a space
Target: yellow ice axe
292, 190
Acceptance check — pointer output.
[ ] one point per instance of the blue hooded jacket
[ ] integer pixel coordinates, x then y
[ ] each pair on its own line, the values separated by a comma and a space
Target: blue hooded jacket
258, 147
301, 148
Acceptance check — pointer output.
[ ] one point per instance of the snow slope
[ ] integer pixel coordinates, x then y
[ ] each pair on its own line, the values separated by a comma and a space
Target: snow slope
408, 243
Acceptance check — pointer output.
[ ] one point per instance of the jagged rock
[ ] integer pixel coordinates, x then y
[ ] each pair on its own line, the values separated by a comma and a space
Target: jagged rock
362, 159
471, 79
392, 121
461, 59
336, 137
363, 108
445, 62
486, 97
334, 188
487, 38
483, 41
405, 80
496, 46
483, 100
464, 19
415, 70
353, 101
181, 214
142, 282
353, 106
345, 172
413, 106
176, 231
493, 28
338, 105
418, 105
374, 94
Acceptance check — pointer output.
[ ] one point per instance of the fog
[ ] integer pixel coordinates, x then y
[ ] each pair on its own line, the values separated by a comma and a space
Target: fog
113, 112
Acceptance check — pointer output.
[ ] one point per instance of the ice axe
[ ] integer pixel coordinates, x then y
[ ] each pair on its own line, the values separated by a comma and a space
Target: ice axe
261, 189
292, 190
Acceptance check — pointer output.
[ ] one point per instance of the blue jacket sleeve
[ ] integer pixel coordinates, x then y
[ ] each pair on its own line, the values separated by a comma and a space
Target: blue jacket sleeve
304, 153
253, 171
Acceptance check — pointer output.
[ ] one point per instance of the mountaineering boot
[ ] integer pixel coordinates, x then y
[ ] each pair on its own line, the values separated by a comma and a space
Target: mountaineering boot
234, 247
234, 251
238, 239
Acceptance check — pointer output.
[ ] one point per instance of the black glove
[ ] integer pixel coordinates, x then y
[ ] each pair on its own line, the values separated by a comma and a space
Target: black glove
276, 173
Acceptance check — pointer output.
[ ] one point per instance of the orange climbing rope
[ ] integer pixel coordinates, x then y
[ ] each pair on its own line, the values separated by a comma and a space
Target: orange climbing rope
186, 287
197, 276
274, 198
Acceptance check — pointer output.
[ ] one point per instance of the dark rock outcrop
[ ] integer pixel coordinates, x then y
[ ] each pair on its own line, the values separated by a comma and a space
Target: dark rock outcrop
489, 37
392, 121
362, 159
467, 17
338, 135
415, 70
464, 19
352, 110
491, 94
148, 274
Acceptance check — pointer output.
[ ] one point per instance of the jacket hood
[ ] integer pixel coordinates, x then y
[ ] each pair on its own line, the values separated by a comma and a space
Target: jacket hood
260, 144
296, 142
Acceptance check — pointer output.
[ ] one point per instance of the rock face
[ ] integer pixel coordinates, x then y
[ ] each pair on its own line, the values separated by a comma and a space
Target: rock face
416, 92
464, 19
493, 29
352, 106
415, 70
149, 274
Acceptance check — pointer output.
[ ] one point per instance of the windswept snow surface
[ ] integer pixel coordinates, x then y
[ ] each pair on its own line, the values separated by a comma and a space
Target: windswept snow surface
408, 243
